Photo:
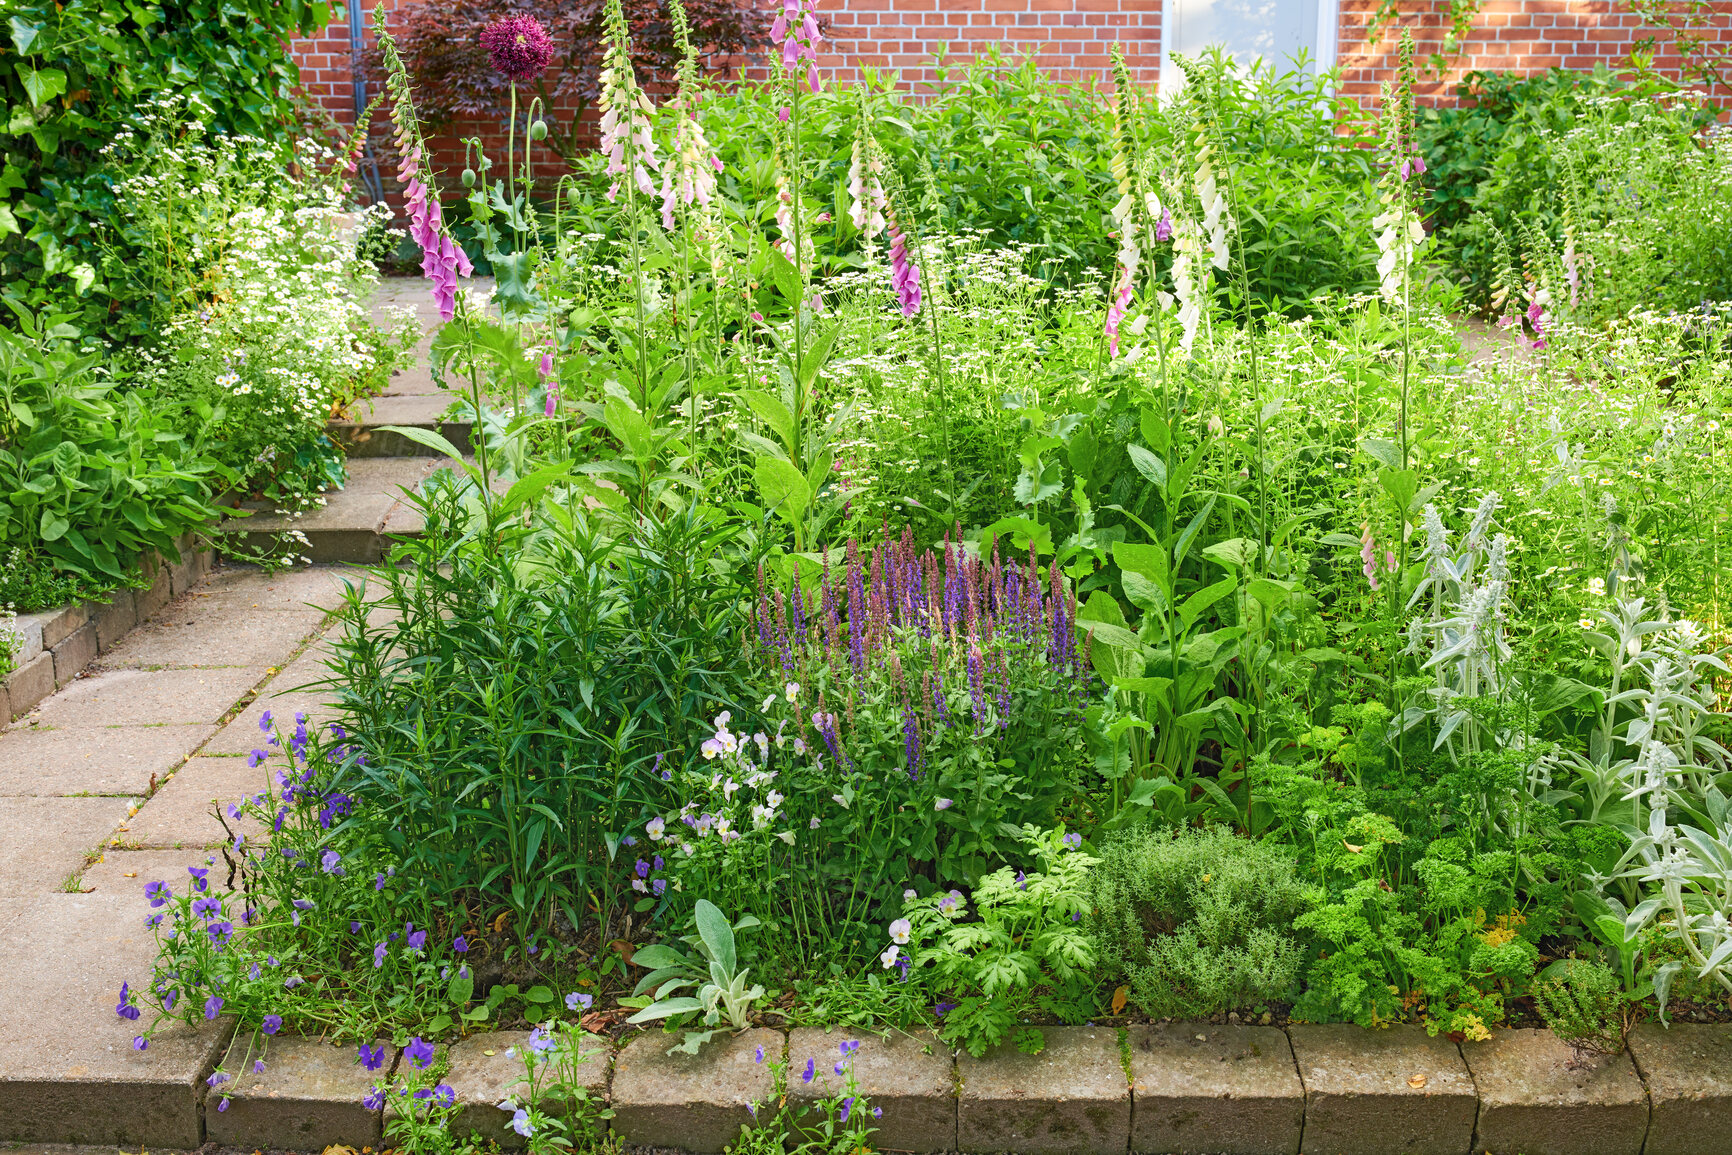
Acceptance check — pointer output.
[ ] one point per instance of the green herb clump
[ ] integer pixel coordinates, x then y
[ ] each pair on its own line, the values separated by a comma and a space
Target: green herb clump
1193, 919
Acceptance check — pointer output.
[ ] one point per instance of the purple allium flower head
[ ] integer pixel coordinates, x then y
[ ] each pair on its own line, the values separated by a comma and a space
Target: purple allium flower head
419, 1052
520, 47
212, 1007
271, 1024
372, 1058
158, 893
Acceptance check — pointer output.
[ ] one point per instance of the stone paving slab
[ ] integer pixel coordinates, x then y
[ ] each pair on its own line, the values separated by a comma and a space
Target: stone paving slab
150, 697
1539, 1097
348, 527
1688, 1072
45, 840
1071, 1099
484, 1075
695, 1103
126, 872
1374, 1092
308, 1097
68, 1070
45, 760
29, 684
910, 1077
179, 813
201, 630
1226, 1090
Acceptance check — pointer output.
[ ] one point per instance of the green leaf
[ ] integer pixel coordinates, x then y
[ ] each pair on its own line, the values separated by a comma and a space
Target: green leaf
1385, 452
1151, 467
783, 487
717, 933
23, 35
786, 277
770, 410
538, 994
41, 84
54, 526
1401, 485
461, 988
665, 1009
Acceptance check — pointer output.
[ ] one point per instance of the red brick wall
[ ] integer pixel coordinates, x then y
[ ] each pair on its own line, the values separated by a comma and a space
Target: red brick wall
1071, 39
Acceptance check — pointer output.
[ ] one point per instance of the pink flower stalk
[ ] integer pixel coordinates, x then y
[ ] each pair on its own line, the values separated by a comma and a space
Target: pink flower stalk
1118, 308
1368, 554
795, 32
520, 47
1164, 228
545, 369
1412, 166
867, 201
904, 273
1538, 319
442, 260
625, 121
688, 178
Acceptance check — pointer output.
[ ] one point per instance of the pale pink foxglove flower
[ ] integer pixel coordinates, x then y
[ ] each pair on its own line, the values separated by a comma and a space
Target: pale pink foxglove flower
904, 273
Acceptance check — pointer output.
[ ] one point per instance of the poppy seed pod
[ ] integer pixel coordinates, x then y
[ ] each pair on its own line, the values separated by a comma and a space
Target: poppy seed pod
468, 178
538, 130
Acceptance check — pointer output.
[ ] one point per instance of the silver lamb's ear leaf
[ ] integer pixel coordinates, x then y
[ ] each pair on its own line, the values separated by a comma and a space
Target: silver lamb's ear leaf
718, 936
1663, 977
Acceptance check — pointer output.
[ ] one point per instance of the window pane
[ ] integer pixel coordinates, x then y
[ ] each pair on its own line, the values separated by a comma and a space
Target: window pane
1273, 29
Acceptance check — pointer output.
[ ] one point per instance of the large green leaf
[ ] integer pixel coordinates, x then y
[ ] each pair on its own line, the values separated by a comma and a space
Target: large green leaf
784, 488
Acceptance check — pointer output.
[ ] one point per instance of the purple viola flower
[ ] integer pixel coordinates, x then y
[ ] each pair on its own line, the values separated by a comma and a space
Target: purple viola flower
943, 1009
379, 881
153, 922
271, 1024
642, 868
124, 1007
840, 1066
139, 1042
420, 1053
265, 722
847, 1109
1073, 840
659, 887
811, 1070
578, 1000
198, 878
305, 904
374, 1100
372, 1058
460, 945
415, 939
220, 932
254, 758
758, 1056
253, 972
158, 893
328, 862
217, 1079
206, 908
354, 927
379, 953
849, 1047
540, 1041
212, 1007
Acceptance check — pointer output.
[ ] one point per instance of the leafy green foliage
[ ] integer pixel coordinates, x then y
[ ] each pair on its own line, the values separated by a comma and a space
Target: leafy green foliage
92, 476
1197, 921
72, 75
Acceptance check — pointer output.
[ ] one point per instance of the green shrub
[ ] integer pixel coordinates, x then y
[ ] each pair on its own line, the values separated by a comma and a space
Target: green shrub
90, 476
1196, 920
73, 75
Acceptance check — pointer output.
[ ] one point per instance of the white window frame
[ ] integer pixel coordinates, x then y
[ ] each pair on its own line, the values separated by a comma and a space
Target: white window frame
1328, 43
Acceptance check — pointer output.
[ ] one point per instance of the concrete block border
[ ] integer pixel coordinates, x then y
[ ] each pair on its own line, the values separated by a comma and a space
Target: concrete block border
59, 643
1167, 1089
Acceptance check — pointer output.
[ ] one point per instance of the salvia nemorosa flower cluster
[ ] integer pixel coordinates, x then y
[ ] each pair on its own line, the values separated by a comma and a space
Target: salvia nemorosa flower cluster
933, 621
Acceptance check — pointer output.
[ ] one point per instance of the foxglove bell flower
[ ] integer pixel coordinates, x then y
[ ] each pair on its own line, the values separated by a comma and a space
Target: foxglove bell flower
795, 31
626, 140
690, 175
904, 273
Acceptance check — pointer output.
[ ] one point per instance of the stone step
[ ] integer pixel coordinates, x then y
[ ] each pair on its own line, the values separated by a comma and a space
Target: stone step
361, 434
356, 522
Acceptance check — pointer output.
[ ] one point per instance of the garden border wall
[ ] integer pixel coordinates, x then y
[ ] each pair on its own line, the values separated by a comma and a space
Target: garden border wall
1169, 1087
59, 643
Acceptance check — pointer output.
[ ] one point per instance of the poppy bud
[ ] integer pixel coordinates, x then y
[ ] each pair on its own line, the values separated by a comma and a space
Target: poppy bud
538, 130
468, 178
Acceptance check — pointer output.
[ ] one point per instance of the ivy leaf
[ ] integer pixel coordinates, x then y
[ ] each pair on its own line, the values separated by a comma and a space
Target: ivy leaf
41, 84
24, 35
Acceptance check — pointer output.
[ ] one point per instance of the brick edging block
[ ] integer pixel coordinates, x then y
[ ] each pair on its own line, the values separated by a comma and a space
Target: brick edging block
1086, 1109
61, 642
1372, 1092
